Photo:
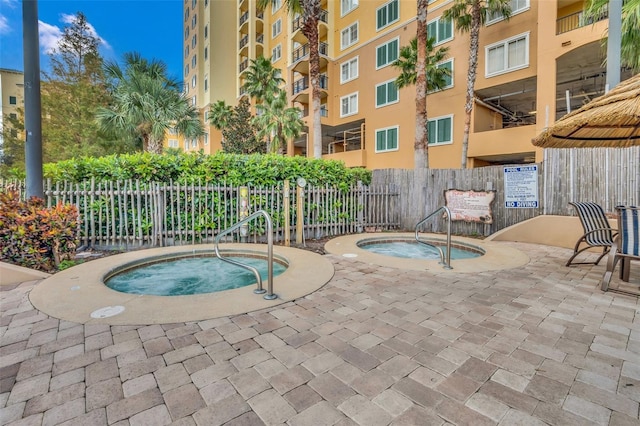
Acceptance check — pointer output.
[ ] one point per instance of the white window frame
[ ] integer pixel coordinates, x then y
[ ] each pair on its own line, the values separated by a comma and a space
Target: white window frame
500, 17
206, 138
451, 76
397, 39
193, 81
194, 41
386, 6
351, 64
276, 53
194, 61
349, 32
386, 130
438, 42
173, 143
347, 6
386, 84
505, 44
276, 28
352, 99
275, 6
436, 119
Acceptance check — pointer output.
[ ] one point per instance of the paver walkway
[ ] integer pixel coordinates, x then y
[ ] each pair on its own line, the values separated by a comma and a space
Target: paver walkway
376, 346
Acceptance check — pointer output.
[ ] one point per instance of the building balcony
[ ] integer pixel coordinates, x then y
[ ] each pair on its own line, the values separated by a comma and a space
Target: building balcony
353, 158
260, 38
302, 84
302, 52
298, 22
244, 18
243, 65
577, 20
244, 40
501, 142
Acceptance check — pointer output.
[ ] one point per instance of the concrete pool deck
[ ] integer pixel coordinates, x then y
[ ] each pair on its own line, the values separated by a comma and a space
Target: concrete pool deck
535, 344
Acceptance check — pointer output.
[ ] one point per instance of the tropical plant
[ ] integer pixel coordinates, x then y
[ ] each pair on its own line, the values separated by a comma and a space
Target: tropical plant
469, 16
239, 133
220, 114
71, 92
630, 28
406, 63
147, 103
309, 11
421, 141
262, 80
277, 123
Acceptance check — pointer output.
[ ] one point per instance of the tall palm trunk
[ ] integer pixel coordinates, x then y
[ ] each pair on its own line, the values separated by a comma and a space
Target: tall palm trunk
474, 34
421, 144
311, 12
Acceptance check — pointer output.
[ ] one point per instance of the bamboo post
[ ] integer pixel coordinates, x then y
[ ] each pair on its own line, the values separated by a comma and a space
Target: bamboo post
287, 230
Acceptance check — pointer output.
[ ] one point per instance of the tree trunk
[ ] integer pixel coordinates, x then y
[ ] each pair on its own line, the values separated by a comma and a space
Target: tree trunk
311, 11
155, 146
474, 35
421, 143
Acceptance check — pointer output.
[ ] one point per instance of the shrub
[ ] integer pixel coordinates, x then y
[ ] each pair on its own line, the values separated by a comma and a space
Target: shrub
34, 236
234, 169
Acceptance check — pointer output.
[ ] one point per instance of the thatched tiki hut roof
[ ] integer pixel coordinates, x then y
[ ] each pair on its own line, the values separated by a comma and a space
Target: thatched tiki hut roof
611, 120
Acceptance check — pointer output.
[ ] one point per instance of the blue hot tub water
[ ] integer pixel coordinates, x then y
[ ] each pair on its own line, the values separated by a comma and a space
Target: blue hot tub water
193, 275
413, 250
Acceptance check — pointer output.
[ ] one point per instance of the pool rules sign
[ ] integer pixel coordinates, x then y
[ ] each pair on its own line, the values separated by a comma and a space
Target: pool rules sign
521, 187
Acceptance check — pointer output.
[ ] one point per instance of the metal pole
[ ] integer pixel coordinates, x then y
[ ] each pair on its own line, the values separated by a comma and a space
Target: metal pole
32, 106
614, 37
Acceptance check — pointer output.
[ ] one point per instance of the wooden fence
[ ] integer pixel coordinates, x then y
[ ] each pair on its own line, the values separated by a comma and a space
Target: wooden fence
608, 176
132, 213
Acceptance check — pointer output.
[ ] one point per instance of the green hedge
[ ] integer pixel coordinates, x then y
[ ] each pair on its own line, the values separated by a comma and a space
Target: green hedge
254, 170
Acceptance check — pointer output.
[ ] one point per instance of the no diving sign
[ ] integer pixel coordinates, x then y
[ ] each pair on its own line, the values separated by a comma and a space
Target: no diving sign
521, 187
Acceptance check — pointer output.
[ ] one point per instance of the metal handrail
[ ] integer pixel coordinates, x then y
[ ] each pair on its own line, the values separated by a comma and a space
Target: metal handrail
447, 262
259, 290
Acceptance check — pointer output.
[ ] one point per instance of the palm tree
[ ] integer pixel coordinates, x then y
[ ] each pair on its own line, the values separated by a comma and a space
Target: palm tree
630, 29
421, 142
262, 80
406, 63
277, 123
469, 15
147, 103
310, 12
220, 114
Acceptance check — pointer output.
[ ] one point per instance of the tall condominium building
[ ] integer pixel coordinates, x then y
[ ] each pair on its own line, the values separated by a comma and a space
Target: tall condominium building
532, 68
11, 96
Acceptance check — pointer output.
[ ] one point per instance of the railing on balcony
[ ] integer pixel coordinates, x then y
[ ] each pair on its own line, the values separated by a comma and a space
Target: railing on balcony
577, 20
243, 65
243, 90
260, 38
303, 51
244, 18
297, 23
260, 14
243, 41
303, 83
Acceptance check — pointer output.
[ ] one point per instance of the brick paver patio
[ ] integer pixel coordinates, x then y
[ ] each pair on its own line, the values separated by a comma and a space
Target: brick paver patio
376, 346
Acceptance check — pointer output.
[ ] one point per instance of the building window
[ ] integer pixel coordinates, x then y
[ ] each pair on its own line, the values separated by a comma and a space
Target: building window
440, 130
186, 14
193, 101
173, 143
387, 53
349, 105
507, 55
206, 31
387, 14
448, 79
186, 70
185, 87
517, 6
193, 61
386, 93
193, 81
206, 53
349, 70
206, 3
206, 138
440, 29
194, 21
13, 100
173, 131
193, 4
194, 143
387, 139
186, 52
13, 115
349, 36
347, 6
206, 83
275, 5
276, 53
276, 28
193, 42
186, 33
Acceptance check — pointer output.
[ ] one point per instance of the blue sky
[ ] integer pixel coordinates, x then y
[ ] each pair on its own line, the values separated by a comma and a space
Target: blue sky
151, 27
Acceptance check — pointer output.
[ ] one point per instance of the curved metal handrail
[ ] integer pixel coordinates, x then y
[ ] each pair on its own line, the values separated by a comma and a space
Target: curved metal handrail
259, 290
447, 262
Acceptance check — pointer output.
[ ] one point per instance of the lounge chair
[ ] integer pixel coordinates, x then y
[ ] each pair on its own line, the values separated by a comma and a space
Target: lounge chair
626, 246
597, 231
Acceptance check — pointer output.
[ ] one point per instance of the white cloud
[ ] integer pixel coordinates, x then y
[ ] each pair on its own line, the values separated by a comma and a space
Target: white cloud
4, 25
50, 34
